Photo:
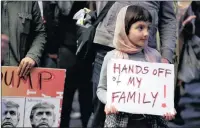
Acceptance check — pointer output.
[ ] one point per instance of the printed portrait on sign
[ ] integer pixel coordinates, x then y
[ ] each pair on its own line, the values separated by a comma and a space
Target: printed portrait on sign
12, 112
42, 112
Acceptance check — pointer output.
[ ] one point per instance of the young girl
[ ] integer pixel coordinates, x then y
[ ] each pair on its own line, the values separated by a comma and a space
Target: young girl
131, 42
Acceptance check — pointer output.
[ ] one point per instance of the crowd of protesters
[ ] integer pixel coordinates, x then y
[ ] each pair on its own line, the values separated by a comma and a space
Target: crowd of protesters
45, 34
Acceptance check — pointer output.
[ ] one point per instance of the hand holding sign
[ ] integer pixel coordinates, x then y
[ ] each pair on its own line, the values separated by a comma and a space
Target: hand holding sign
110, 109
170, 115
25, 66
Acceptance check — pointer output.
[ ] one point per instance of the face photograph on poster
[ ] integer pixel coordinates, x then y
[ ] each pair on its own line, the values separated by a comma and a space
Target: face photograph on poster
12, 112
42, 113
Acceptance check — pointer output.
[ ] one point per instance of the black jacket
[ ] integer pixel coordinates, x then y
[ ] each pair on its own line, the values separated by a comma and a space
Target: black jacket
61, 28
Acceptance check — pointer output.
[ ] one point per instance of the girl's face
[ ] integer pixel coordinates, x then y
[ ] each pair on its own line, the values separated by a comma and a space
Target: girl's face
139, 33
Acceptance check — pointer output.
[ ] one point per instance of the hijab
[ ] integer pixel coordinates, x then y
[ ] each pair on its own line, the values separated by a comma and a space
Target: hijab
124, 46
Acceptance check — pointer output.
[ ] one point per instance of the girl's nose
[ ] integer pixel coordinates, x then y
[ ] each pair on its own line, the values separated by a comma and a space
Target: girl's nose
146, 33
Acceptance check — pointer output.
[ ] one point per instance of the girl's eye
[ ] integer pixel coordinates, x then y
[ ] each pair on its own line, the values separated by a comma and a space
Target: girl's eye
140, 28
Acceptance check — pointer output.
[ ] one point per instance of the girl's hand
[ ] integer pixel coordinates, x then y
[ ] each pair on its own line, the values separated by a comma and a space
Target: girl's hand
170, 116
110, 109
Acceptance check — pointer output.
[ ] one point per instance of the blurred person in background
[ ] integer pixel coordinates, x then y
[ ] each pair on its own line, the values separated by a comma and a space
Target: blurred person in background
21, 22
62, 46
50, 54
189, 66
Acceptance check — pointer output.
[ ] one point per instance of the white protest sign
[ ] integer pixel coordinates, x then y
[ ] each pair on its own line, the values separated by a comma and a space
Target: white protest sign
140, 87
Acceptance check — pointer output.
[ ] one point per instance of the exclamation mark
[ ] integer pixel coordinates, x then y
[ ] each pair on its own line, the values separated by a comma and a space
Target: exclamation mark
164, 91
164, 104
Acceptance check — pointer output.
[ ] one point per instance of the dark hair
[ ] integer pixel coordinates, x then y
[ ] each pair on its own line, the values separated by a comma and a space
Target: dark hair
195, 8
195, 5
136, 13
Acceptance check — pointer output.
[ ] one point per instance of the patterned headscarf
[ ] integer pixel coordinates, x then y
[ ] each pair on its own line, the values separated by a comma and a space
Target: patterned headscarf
124, 46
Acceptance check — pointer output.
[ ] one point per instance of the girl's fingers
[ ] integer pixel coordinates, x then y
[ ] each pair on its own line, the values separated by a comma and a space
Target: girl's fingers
113, 109
166, 116
172, 116
169, 116
110, 110
116, 111
107, 110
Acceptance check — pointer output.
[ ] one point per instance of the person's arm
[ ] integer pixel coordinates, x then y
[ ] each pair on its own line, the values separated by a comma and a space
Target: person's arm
102, 87
35, 52
38, 30
167, 30
185, 28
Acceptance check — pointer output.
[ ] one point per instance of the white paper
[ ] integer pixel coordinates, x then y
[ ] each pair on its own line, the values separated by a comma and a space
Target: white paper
141, 93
